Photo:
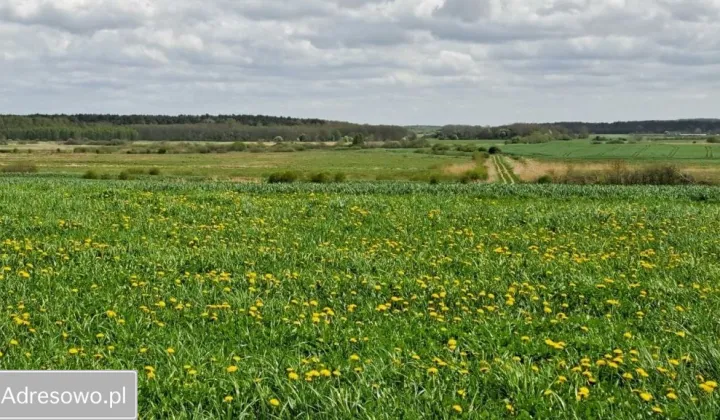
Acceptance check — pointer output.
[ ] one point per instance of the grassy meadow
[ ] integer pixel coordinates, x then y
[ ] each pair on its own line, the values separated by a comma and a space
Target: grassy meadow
369, 300
446, 160
363, 164
700, 152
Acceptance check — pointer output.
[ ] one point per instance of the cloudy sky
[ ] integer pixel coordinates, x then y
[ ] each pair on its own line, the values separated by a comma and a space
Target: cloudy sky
377, 61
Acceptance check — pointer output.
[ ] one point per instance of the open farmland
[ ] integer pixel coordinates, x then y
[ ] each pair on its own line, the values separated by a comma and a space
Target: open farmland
369, 300
363, 164
643, 151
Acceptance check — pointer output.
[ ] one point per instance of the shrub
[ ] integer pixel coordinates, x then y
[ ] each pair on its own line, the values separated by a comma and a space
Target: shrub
434, 179
320, 178
154, 171
283, 177
162, 151
238, 146
124, 175
91, 175
713, 140
20, 167
494, 150
545, 179
340, 177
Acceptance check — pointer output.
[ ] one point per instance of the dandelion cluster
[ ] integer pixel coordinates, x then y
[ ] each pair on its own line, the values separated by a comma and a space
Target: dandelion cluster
308, 302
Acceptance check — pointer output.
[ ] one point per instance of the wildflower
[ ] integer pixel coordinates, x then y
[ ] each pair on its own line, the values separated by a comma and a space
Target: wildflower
708, 386
170, 350
646, 396
228, 399
582, 393
556, 345
293, 376
432, 371
457, 408
231, 369
274, 402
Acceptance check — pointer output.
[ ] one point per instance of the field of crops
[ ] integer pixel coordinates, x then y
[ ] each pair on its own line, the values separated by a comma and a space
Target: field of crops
584, 149
369, 300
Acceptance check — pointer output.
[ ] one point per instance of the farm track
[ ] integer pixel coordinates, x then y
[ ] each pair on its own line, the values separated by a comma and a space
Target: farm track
641, 151
674, 151
504, 172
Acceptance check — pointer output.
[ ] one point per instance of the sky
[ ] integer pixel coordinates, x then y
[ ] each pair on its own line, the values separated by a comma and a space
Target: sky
426, 62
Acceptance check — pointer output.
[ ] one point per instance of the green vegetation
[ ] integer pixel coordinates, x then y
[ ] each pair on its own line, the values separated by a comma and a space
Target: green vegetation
382, 300
225, 128
361, 164
584, 149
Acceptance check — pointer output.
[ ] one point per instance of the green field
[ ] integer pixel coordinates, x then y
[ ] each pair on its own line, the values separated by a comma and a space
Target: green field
369, 300
643, 151
367, 164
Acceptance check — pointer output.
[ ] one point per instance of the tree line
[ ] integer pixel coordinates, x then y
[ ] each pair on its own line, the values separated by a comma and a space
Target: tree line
190, 128
570, 130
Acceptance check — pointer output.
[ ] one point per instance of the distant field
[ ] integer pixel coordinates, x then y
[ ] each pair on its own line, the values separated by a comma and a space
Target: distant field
369, 164
584, 149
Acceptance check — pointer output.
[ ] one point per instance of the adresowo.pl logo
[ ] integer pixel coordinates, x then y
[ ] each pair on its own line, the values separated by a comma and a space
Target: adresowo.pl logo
68, 395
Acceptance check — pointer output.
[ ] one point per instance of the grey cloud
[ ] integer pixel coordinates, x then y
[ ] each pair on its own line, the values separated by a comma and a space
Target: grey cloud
465, 10
75, 20
390, 61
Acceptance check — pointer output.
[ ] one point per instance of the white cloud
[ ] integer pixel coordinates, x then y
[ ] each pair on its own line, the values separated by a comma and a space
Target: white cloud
391, 61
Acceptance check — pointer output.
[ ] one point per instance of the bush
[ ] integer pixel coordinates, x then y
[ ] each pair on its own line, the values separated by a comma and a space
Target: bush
154, 171
283, 177
124, 175
713, 140
20, 167
162, 151
545, 179
238, 146
494, 150
340, 177
91, 175
320, 178
434, 179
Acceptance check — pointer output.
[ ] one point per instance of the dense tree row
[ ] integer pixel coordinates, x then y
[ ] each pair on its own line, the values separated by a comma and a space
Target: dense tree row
556, 131
104, 127
569, 130
215, 132
63, 133
114, 119
648, 127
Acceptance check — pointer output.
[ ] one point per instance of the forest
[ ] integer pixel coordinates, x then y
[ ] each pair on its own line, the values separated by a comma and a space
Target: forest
189, 128
570, 130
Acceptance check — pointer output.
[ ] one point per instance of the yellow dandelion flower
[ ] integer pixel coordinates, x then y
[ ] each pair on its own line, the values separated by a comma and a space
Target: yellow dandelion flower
582, 393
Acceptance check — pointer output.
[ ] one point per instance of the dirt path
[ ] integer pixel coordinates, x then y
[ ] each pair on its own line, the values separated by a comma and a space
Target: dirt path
506, 176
